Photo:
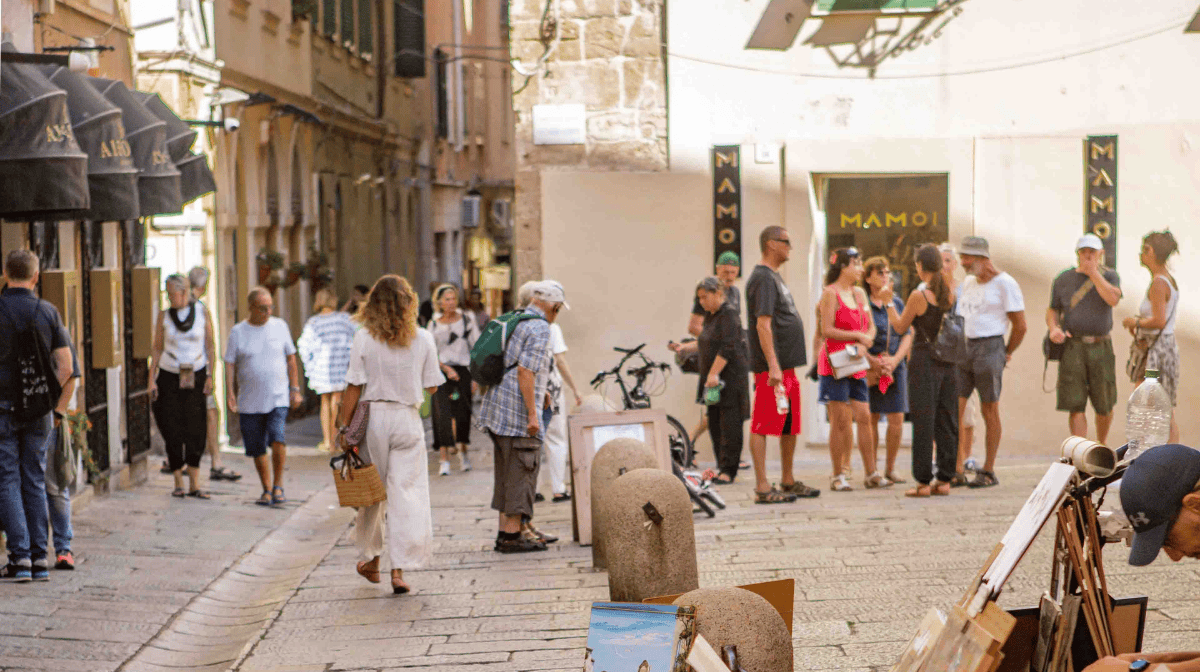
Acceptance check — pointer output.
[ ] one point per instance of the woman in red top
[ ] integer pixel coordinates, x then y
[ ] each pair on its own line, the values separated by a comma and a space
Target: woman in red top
845, 321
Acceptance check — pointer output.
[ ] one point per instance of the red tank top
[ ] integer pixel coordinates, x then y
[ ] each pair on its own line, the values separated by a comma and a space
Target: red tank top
847, 319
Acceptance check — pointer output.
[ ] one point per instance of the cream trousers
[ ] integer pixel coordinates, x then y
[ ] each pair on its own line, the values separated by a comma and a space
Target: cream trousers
554, 449
396, 445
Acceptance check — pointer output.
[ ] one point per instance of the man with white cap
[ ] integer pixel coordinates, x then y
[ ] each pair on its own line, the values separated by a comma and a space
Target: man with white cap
1160, 494
1080, 318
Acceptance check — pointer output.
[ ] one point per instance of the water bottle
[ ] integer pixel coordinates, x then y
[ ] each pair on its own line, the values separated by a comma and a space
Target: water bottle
781, 400
1148, 417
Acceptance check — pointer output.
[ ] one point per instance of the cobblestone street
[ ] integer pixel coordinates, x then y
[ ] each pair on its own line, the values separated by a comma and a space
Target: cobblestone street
167, 584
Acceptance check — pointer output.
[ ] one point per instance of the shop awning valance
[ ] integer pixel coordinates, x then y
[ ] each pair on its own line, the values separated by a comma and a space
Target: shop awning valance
100, 131
43, 171
158, 178
197, 179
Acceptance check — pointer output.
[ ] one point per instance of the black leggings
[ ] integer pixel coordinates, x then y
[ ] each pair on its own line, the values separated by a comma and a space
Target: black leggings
182, 417
725, 428
446, 409
933, 398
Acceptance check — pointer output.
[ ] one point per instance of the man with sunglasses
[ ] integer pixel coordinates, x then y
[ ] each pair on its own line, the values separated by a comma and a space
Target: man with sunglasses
262, 381
1160, 494
776, 337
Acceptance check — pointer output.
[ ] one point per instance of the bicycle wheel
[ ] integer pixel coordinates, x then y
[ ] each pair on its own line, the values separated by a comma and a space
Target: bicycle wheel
681, 444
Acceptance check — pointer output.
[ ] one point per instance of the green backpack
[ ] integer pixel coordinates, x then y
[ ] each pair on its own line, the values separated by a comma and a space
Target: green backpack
487, 357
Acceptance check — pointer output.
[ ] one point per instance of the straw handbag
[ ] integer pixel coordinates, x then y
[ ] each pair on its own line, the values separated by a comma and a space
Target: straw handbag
358, 484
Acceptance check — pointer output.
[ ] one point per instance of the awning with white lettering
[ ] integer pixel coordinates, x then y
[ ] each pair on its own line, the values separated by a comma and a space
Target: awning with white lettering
158, 178
196, 179
43, 172
100, 132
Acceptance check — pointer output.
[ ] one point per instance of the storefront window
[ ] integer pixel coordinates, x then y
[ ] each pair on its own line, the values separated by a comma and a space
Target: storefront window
888, 215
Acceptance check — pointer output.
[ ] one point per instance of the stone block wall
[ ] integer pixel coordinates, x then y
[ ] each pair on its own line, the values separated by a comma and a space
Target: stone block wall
607, 55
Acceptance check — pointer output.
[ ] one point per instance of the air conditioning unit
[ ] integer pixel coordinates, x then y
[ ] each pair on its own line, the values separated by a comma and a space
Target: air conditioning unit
502, 213
471, 205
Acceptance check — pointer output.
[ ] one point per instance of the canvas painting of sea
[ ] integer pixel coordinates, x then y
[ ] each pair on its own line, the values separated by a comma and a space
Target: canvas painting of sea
626, 637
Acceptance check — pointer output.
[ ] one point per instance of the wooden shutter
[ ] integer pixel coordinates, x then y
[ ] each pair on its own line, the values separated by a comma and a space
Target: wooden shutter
408, 31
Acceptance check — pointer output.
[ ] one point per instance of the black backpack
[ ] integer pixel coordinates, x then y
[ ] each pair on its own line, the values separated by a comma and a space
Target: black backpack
38, 386
950, 346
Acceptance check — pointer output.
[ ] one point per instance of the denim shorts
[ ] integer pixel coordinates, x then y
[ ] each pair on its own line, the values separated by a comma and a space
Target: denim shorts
845, 389
260, 430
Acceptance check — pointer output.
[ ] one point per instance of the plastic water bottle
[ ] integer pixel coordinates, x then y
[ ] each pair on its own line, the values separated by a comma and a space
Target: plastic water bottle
1148, 417
782, 405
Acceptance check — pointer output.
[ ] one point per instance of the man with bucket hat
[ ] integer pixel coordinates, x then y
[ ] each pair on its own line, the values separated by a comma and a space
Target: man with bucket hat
1160, 494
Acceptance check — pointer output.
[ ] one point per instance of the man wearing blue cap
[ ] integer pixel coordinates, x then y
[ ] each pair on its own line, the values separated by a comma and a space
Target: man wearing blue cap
1160, 494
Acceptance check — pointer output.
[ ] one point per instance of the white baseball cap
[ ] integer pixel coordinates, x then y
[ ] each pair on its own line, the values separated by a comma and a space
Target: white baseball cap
1089, 241
551, 291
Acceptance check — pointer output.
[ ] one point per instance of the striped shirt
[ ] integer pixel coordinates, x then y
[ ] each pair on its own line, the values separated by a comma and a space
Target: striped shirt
324, 347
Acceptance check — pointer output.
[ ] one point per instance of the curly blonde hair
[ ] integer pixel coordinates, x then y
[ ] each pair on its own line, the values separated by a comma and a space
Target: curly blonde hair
390, 312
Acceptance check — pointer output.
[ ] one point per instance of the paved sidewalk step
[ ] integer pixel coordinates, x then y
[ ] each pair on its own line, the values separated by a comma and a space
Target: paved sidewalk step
214, 629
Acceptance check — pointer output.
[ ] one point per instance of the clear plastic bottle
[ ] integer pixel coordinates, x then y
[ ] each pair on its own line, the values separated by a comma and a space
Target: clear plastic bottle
1148, 416
782, 405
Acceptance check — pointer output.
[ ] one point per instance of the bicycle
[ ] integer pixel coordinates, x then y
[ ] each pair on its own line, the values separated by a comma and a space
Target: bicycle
636, 398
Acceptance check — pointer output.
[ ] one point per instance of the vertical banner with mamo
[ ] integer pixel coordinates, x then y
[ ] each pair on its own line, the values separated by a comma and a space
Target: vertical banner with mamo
1100, 192
727, 200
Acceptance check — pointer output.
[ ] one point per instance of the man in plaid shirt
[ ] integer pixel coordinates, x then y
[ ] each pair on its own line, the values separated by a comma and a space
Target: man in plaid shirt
511, 414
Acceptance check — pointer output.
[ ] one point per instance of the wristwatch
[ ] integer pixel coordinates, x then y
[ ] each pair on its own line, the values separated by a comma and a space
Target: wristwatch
1139, 665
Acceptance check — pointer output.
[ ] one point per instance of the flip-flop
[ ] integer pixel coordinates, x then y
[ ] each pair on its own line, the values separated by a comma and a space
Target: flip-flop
920, 491
264, 500
722, 479
178, 492
199, 494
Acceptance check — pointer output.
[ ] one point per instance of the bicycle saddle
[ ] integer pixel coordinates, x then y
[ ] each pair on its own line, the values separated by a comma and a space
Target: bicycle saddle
630, 351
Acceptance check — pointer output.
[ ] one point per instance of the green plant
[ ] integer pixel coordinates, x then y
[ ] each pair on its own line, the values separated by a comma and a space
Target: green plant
272, 259
78, 426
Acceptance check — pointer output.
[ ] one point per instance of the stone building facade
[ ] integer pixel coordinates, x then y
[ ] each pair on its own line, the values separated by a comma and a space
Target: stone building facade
607, 55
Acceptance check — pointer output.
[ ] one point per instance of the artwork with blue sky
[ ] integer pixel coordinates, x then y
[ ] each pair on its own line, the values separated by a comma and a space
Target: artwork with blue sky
624, 636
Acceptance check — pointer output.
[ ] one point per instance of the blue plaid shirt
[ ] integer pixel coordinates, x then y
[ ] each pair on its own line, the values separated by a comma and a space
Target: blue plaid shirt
503, 410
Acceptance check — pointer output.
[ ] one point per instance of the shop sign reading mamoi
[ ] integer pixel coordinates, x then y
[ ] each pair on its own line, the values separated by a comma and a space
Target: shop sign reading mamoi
727, 201
1100, 192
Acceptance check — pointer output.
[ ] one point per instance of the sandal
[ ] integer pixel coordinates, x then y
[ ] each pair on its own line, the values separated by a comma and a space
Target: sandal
369, 570
399, 587
891, 476
958, 480
877, 480
199, 494
773, 496
223, 474
723, 479
919, 491
940, 489
984, 479
280, 499
264, 500
840, 483
799, 489
560, 497
178, 492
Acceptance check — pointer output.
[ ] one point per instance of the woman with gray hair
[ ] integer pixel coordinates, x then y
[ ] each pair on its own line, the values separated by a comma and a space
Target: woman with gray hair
183, 347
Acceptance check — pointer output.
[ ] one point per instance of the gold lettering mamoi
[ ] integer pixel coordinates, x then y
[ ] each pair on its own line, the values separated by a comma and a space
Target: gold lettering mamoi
901, 219
856, 220
726, 186
919, 218
1108, 150
1107, 204
1102, 179
730, 159
727, 211
873, 220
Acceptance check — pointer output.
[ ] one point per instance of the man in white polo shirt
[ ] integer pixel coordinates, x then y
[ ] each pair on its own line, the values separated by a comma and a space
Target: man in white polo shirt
990, 302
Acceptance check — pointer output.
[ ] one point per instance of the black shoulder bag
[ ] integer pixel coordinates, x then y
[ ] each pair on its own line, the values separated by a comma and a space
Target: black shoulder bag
38, 386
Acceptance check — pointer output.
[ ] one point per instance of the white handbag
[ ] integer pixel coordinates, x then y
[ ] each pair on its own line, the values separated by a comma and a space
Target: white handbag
848, 361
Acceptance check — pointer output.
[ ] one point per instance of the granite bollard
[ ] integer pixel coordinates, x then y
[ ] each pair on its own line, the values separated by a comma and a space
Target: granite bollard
649, 536
737, 616
613, 459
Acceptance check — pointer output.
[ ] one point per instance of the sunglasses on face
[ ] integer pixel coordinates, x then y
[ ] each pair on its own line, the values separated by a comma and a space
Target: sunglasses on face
785, 241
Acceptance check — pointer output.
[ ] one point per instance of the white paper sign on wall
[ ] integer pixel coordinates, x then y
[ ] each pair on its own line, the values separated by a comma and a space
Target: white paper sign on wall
559, 124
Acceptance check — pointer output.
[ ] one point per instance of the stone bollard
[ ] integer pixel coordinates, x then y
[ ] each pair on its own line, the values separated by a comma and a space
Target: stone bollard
607, 465
649, 537
735, 616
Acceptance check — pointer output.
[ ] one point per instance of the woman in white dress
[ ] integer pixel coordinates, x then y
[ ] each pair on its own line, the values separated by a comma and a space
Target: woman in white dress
324, 348
455, 333
391, 360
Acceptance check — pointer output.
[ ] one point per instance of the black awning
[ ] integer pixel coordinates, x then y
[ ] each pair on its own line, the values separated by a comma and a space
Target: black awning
43, 172
100, 131
197, 178
158, 178
180, 136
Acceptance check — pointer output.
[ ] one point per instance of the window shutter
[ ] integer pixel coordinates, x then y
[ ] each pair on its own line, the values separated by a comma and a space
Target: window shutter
347, 23
443, 103
329, 17
408, 29
366, 21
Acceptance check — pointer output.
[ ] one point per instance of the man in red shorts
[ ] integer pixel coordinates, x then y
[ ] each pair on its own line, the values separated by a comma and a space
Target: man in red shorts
776, 337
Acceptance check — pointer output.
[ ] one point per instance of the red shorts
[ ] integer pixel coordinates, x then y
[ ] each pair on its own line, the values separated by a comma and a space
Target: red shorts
766, 420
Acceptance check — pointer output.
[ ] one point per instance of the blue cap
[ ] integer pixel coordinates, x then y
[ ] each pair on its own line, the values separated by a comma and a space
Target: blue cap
1152, 493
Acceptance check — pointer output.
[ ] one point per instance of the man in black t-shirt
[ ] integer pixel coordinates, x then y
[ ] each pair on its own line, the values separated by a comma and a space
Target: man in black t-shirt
23, 444
776, 339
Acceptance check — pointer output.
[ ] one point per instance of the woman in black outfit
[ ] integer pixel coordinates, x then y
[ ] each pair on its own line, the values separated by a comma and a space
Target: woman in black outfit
932, 394
722, 365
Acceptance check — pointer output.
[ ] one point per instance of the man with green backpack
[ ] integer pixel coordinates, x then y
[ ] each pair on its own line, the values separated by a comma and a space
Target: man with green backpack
512, 356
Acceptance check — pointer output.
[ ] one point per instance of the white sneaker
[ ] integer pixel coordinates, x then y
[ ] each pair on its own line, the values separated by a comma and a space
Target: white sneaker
444, 470
466, 462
